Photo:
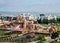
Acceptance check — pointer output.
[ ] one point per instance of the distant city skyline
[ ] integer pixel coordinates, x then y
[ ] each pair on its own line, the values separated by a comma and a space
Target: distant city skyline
52, 6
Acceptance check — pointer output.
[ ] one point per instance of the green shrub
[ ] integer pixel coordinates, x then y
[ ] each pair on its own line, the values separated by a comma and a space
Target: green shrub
53, 42
55, 35
58, 31
41, 38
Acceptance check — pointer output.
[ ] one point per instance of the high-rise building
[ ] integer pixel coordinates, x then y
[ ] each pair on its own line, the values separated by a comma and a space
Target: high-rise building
27, 16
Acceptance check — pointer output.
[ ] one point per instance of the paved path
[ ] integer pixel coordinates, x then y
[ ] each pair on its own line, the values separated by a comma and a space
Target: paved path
36, 42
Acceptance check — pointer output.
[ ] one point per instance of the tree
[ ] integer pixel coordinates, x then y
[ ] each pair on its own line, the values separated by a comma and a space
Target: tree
58, 20
58, 31
45, 21
54, 21
39, 21
55, 35
42, 21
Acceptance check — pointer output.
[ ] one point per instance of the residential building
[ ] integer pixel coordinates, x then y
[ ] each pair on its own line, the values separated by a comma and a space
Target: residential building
52, 17
27, 16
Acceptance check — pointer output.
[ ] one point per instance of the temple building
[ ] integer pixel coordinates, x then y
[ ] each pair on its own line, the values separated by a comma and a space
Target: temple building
23, 25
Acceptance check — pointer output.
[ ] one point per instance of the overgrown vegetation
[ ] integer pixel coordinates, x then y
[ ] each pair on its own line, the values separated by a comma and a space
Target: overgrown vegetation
41, 39
55, 35
46, 21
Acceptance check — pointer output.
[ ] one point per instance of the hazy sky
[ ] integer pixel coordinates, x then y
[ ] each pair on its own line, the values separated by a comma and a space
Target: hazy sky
30, 5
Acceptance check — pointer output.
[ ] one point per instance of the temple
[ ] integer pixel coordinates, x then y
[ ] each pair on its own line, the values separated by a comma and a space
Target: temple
22, 25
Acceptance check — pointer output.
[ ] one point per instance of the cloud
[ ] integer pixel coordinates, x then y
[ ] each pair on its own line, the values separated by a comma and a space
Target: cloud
30, 5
